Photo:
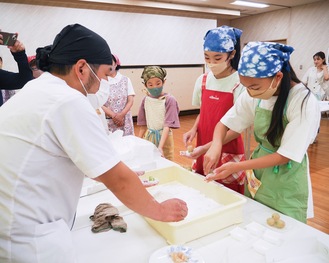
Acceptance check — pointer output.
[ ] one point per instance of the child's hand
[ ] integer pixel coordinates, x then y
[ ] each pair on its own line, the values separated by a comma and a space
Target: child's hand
161, 151
118, 120
197, 152
188, 137
211, 159
221, 172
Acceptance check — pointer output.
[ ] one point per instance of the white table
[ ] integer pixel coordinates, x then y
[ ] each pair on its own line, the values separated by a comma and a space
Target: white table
141, 240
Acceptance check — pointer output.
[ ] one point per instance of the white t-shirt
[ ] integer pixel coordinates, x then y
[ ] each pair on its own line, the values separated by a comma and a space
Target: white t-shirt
225, 85
301, 129
117, 78
50, 138
315, 82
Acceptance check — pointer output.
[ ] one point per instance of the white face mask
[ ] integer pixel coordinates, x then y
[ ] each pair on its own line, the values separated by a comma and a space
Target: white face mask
216, 69
263, 95
98, 99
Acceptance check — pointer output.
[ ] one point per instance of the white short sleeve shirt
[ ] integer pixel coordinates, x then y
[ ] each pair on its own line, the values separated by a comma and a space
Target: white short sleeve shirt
303, 116
225, 85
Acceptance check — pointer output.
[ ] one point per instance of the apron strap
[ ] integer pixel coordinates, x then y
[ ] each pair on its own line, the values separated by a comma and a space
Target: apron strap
204, 81
275, 168
235, 86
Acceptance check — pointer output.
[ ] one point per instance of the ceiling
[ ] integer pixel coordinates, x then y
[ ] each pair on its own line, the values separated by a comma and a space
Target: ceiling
244, 11
218, 9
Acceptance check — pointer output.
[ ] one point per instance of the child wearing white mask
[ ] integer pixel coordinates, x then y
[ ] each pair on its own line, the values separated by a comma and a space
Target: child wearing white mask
283, 112
215, 93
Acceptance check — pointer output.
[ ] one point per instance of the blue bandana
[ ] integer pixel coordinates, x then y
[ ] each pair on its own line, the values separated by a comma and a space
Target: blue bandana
221, 39
264, 59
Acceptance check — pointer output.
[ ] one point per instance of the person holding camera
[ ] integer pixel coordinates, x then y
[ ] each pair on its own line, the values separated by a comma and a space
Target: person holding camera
10, 80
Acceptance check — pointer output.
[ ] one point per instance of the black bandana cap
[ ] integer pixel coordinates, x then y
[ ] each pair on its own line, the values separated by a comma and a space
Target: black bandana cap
75, 42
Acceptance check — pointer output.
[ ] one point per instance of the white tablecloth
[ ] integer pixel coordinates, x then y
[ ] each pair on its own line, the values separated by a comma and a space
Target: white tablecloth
236, 243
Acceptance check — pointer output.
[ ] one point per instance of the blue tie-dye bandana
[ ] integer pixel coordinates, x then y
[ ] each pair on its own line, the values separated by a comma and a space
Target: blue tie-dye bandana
264, 59
221, 39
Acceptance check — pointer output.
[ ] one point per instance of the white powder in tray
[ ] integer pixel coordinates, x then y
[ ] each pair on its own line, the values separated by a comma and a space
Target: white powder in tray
197, 202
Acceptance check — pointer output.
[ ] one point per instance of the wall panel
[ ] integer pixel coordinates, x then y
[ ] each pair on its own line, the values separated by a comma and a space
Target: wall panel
305, 27
179, 83
138, 39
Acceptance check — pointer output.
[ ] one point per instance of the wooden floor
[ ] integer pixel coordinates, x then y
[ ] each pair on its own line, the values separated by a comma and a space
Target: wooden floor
319, 167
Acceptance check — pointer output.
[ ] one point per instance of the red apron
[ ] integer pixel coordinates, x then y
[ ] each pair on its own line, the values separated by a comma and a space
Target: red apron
214, 105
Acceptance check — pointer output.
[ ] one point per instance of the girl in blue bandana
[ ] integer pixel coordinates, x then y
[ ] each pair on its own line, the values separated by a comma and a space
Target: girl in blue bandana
282, 111
215, 93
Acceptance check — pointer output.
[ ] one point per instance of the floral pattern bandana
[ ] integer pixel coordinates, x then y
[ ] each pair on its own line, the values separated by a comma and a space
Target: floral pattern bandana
221, 39
264, 59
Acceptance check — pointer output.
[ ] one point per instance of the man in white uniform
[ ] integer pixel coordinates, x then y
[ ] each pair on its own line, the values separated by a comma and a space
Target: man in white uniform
50, 138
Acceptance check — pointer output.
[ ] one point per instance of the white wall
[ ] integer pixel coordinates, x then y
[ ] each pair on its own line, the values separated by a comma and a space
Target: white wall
138, 39
306, 28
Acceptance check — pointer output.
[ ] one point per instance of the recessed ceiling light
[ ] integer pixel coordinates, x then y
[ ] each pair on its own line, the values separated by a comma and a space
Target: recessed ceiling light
170, 6
250, 4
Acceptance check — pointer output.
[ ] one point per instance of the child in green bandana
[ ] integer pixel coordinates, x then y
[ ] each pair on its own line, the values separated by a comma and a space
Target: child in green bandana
158, 112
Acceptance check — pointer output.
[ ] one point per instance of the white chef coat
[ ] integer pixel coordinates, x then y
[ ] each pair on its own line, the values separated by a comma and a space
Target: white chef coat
299, 133
50, 137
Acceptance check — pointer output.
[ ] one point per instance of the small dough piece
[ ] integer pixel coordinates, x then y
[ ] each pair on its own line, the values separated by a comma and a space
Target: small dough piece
280, 224
270, 221
178, 257
275, 221
190, 148
276, 216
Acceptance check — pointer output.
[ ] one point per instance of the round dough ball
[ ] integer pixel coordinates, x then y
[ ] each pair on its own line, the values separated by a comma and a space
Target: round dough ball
280, 224
276, 216
190, 148
270, 221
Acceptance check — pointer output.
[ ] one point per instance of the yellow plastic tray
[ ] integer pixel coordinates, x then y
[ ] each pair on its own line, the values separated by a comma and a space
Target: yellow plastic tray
187, 230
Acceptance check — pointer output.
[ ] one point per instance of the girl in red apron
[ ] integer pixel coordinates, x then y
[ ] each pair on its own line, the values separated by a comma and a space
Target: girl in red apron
216, 92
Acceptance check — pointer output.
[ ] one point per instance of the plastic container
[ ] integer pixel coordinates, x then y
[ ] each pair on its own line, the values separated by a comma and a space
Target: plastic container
229, 213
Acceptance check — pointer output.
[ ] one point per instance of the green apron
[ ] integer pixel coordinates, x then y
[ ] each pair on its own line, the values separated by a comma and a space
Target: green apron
285, 187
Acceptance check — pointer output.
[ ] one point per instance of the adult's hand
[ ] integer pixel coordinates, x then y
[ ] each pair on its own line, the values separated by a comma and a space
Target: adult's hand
173, 210
17, 47
125, 185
